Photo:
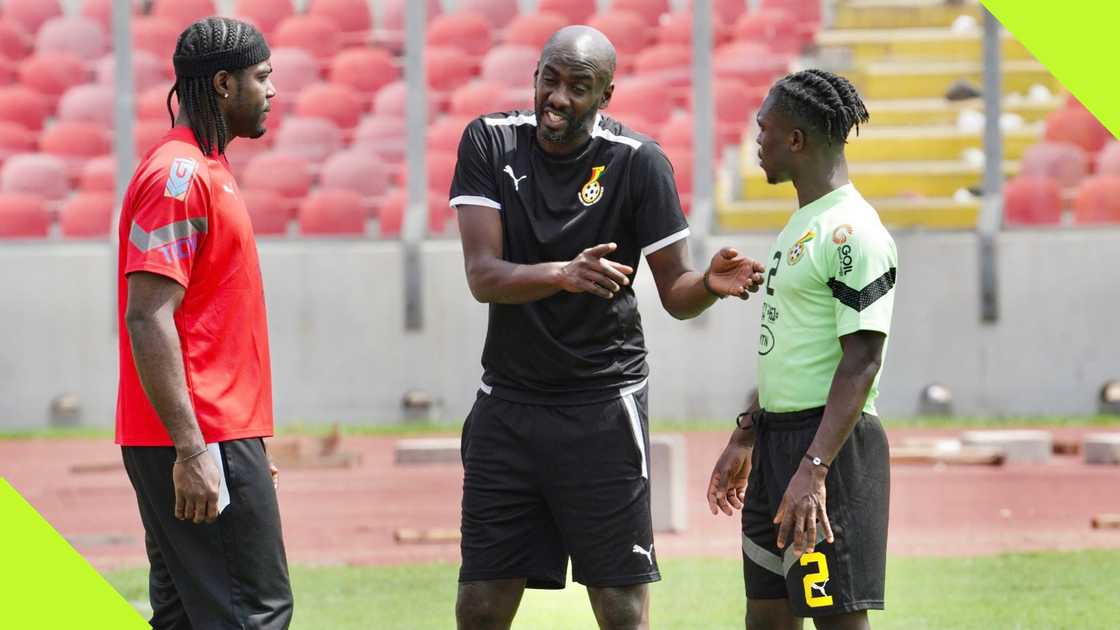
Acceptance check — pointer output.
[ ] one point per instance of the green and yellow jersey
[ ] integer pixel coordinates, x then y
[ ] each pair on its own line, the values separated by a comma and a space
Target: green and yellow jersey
831, 273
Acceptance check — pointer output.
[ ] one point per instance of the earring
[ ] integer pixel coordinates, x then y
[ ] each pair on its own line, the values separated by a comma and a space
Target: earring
225, 95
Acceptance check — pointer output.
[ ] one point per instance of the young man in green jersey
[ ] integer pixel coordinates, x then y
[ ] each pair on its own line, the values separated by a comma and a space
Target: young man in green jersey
815, 508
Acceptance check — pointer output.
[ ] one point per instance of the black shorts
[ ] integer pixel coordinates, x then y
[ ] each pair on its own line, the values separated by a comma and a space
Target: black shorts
231, 573
542, 483
843, 576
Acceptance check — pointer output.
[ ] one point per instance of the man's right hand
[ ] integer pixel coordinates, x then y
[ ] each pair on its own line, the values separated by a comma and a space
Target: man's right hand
727, 489
196, 489
591, 273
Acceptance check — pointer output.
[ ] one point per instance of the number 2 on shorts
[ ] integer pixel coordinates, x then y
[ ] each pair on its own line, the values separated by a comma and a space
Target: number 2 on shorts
816, 581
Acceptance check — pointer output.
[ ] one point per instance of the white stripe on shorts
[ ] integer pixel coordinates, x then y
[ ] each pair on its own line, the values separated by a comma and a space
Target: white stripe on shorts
636, 422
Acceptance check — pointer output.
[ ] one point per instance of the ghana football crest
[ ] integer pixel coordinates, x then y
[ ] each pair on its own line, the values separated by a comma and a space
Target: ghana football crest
798, 249
592, 191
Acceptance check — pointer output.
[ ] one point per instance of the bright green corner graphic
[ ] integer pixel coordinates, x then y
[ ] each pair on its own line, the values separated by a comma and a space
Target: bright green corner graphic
1075, 41
45, 584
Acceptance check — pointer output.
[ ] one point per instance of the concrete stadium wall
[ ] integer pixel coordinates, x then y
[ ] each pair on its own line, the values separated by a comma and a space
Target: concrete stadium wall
340, 351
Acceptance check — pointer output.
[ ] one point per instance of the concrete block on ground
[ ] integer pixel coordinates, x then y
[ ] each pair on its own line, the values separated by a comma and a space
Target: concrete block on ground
1102, 448
668, 482
1017, 445
427, 451
667, 466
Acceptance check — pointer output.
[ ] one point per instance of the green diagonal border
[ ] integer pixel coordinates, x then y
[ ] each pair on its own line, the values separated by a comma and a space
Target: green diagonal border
45, 584
1075, 40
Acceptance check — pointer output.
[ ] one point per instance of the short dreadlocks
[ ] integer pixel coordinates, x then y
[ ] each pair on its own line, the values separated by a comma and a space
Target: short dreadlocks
823, 100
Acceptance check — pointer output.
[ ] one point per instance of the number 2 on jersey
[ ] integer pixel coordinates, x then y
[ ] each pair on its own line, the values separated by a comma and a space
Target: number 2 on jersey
773, 271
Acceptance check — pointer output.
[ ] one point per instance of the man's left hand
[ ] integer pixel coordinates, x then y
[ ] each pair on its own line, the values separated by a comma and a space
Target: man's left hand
732, 273
802, 506
275, 472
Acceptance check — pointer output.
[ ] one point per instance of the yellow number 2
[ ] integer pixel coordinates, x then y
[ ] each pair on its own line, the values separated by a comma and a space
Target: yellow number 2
816, 581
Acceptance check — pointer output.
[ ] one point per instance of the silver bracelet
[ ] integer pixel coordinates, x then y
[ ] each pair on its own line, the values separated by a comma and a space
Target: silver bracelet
190, 457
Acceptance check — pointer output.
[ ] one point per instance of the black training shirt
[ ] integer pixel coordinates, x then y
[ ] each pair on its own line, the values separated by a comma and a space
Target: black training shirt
570, 348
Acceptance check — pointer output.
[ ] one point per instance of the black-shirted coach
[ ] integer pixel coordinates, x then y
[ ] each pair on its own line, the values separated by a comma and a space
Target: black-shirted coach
556, 208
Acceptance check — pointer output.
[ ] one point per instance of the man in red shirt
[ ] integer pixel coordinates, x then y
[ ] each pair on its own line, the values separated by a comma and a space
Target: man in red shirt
195, 395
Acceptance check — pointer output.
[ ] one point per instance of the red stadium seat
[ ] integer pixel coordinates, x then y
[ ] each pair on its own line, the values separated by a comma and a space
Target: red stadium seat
390, 216
392, 13
736, 102
1067, 163
677, 131
88, 103
1078, 126
676, 28
358, 171
512, 65
498, 12
533, 29
441, 169
467, 31
480, 97
671, 63
773, 27
76, 35
1098, 200
147, 71
1108, 160
81, 140
649, 10
626, 30
101, 11
21, 105
31, 14
99, 175
364, 69
313, 139
1032, 200
146, 134
751, 63
241, 151
448, 68
23, 215
155, 34
15, 43
266, 15
288, 175
152, 104
15, 140
444, 135
332, 213
293, 70
182, 13
35, 173
351, 16
268, 211
574, 11
384, 136
807, 11
339, 104
643, 97
9, 71
51, 74
316, 34
389, 102
726, 11
87, 215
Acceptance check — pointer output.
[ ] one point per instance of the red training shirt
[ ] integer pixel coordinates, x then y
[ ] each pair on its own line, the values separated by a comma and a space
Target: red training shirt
183, 218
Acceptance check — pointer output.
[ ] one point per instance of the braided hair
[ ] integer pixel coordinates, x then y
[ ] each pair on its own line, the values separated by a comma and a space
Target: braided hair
823, 100
208, 46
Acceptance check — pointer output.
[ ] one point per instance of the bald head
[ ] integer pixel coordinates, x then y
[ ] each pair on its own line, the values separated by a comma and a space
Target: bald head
581, 46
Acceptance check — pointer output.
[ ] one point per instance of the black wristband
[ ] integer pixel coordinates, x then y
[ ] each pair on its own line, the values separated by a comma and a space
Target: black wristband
739, 420
708, 287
